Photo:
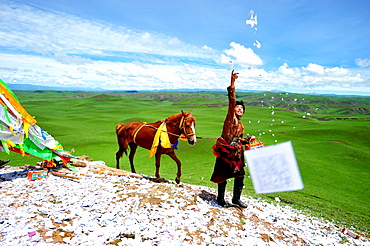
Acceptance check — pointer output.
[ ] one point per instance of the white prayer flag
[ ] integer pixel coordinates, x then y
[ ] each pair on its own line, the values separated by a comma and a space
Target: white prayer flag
274, 168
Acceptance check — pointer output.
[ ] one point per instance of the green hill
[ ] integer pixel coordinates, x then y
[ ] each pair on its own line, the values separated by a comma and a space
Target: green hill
330, 136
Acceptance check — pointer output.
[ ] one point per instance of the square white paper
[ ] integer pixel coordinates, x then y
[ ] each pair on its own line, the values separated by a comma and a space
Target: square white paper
274, 168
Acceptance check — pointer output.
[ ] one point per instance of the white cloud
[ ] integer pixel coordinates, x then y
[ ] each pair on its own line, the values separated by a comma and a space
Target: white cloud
60, 49
314, 69
74, 75
315, 75
207, 48
140, 76
48, 33
82, 69
285, 70
363, 62
71, 59
110, 75
241, 55
337, 72
223, 59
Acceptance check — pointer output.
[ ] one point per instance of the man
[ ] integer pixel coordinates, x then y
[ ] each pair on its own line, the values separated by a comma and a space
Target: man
229, 151
2, 163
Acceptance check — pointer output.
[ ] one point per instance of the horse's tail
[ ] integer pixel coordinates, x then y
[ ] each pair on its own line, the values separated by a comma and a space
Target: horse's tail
118, 127
121, 137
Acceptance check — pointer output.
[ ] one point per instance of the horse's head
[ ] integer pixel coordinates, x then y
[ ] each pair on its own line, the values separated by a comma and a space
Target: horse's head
187, 127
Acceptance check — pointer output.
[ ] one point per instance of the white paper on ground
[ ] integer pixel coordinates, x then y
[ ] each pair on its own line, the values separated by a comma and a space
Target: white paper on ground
274, 168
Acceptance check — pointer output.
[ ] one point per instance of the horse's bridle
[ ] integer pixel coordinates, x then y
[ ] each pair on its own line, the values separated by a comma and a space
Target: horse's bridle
182, 127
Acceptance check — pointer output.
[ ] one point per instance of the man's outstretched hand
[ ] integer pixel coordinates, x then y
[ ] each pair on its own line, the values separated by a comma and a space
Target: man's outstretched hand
234, 76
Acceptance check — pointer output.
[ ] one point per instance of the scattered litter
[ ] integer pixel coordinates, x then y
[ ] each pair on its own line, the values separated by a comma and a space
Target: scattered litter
35, 175
254, 144
64, 175
350, 233
126, 210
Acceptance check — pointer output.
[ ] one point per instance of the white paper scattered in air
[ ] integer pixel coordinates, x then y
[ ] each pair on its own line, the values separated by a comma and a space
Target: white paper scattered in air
257, 44
274, 168
252, 19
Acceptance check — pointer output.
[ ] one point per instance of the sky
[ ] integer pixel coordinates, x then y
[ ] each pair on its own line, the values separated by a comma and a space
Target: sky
304, 46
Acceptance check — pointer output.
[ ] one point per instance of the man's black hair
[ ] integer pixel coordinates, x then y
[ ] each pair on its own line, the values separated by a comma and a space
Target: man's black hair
240, 103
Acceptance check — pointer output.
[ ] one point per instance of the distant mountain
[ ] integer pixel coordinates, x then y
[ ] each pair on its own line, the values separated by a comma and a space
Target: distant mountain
28, 87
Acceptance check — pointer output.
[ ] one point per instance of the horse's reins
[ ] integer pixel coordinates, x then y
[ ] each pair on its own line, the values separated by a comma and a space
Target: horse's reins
174, 134
182, 126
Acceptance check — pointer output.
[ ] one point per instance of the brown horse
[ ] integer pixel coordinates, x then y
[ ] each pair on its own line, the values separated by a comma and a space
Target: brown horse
135, 134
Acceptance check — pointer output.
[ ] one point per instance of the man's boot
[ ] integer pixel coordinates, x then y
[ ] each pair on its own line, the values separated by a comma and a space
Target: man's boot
221, 194
238, 187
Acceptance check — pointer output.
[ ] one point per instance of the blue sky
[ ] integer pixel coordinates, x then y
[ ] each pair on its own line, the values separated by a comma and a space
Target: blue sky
309, 46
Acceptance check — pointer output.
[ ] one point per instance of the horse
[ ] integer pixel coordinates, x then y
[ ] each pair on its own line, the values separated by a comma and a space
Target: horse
142, 134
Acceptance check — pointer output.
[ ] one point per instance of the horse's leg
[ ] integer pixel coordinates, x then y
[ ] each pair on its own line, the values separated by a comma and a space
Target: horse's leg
133, 147
178, 162
157, 165
119, 155
122, 144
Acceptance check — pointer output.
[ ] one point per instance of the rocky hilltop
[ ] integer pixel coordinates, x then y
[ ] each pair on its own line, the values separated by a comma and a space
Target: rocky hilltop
100, 209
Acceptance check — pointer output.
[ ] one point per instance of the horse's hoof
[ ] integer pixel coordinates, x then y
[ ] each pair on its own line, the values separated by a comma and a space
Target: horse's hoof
177, 181
160, 180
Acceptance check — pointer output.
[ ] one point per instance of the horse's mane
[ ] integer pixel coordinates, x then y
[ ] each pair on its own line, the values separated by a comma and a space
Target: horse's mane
172, 117
169, 118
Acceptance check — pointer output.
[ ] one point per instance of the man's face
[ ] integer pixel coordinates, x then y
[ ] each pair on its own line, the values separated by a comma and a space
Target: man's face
239, 110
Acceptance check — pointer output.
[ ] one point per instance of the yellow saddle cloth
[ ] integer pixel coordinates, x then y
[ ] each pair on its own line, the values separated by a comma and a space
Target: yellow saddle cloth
160, 136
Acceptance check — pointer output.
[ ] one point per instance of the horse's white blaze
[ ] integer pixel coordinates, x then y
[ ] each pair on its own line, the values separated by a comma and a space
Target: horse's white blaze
193, 129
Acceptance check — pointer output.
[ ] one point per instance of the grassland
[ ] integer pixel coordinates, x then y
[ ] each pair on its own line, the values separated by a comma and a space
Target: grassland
330, 136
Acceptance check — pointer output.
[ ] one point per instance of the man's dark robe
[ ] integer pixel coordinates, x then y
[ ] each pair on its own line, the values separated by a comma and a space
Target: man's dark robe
229, 159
